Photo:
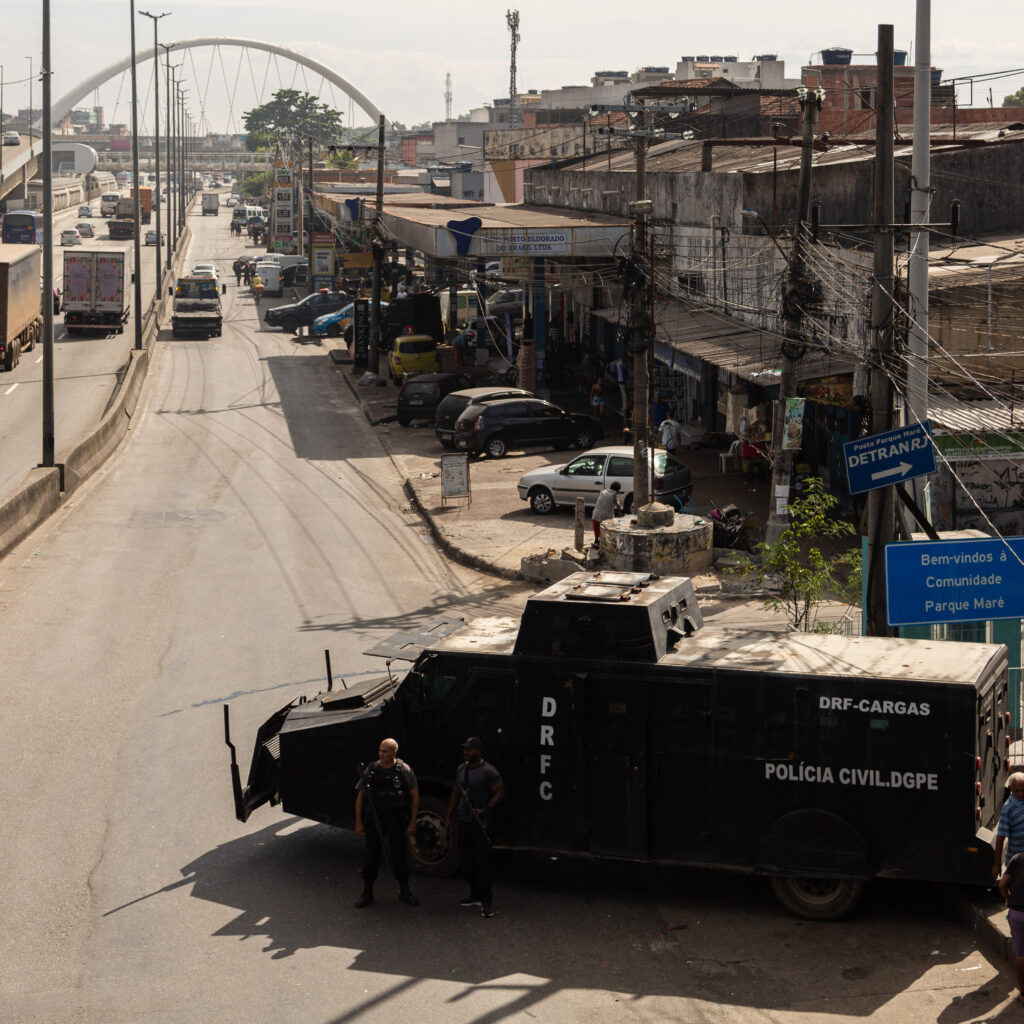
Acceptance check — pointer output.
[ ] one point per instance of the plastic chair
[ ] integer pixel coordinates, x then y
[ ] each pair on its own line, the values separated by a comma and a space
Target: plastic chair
732, 456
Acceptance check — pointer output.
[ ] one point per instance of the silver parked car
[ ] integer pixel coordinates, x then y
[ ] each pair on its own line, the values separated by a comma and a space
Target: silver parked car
508, 301
590, 473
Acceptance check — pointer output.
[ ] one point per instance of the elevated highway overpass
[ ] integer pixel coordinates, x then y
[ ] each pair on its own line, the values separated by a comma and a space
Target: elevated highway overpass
18, 165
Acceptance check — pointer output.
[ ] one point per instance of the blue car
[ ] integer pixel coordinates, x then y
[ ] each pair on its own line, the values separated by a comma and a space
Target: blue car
336, 324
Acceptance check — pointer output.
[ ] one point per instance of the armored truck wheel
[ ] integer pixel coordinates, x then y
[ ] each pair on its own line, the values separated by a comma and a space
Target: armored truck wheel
818, 899
432, 851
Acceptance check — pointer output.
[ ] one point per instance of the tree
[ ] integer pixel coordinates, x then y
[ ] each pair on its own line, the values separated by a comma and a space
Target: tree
256, 183
1015, 99
797, 569
291, 111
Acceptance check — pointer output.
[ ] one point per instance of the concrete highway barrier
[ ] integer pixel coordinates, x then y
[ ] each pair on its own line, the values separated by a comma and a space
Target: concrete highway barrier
41, 493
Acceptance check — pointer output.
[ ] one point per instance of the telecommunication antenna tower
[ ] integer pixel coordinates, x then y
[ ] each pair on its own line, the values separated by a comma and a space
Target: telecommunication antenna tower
512, 17
448, 96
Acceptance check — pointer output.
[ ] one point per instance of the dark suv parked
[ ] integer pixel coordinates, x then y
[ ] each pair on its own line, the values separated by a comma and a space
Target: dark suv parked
421, 394
305, 311
453, 406
497, 427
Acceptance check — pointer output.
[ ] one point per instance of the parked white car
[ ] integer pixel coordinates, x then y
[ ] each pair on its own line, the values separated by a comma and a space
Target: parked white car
590, 473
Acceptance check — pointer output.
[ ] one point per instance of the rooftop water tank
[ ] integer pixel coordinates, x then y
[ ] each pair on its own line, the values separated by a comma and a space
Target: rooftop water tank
899, 58
716, 58
730, 60
702, 57
936, 76
836, 55
766, 56
686, 58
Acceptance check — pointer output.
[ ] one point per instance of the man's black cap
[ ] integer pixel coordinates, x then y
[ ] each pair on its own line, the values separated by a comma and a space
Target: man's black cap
473, 743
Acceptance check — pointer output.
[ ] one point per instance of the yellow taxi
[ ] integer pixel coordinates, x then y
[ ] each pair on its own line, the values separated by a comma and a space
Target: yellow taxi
413, 353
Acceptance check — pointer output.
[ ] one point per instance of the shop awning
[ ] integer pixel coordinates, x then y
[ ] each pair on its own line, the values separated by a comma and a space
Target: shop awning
728, 343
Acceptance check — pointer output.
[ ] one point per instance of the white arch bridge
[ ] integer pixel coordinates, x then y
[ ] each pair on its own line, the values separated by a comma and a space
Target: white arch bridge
64, 105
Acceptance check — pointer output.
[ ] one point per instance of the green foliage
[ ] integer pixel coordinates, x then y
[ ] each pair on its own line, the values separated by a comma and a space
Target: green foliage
795, 567
1015, 99
256, 183
291, 111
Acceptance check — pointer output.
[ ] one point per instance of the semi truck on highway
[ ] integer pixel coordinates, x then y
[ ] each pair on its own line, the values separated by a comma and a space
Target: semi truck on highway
95, 291
196, 309
145, 205
624, 729
211, 203
21, 321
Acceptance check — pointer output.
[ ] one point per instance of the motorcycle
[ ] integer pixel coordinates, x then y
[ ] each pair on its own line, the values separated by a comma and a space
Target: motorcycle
728, 528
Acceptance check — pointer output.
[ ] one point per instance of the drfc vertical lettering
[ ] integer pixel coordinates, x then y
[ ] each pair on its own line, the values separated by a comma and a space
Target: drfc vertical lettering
548, 708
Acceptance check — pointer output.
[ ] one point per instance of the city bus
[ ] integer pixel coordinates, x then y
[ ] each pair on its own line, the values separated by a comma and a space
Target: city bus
22, 227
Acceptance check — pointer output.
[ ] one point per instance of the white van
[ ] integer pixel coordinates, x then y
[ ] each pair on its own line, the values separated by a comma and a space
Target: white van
468, 305
271, 275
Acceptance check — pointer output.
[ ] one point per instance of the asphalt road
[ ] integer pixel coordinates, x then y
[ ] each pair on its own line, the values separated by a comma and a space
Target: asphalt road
85, 369
250, 521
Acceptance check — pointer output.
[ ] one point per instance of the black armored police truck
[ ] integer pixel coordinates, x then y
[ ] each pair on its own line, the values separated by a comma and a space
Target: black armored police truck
624, 729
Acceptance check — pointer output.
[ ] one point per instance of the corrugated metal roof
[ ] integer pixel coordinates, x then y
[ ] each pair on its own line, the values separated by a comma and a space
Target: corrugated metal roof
729, 344
974, 415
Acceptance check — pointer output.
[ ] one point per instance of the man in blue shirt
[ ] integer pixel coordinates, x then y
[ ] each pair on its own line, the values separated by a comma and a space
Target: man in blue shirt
1011, 823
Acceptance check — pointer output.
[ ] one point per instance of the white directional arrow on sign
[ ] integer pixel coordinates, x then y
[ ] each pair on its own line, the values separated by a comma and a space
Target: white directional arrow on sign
901, 470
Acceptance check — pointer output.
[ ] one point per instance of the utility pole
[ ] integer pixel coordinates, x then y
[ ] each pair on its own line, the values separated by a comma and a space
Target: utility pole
920, 199
156, 134
309, 272
880, 514
49, 431
136, 196
377, 250
640, 209
793, 309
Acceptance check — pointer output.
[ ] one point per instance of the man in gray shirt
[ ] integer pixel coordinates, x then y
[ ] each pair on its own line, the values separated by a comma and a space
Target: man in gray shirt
606, 507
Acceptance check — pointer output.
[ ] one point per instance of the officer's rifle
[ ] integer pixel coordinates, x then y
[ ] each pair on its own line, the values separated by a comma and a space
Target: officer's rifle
464, 790
368, 791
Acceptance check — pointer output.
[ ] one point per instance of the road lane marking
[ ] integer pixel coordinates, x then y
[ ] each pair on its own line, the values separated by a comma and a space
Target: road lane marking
39, 360
10, 389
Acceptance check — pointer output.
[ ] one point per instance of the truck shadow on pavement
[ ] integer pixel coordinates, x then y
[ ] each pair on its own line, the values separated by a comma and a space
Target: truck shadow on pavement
636, 931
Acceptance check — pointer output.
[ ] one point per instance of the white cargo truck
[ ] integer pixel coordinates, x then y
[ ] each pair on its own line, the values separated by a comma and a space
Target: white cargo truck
95, 291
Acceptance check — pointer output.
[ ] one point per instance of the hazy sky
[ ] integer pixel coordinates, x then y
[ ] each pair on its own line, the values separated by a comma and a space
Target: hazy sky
398, 53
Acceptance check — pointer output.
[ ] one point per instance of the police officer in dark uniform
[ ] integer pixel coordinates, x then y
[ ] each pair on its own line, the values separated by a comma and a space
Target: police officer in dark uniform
387, 802
477, 791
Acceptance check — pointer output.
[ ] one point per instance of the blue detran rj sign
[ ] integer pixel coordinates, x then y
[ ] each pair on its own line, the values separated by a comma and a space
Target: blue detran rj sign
932, 581
889, 458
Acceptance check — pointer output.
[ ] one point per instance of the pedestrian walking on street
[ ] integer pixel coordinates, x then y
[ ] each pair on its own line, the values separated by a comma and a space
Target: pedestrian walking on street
247, 273
1011, 885
237, 268
606, 507
597, 399
387, 802
477, 791
1011, 823
670, 433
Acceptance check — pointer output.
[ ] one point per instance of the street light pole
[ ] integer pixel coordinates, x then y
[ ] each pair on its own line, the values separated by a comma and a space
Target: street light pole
49, 434
136, 214
156, 132
29, 59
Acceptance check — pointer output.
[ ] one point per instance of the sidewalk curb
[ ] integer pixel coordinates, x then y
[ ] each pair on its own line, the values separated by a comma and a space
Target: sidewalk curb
967, 906
452, 551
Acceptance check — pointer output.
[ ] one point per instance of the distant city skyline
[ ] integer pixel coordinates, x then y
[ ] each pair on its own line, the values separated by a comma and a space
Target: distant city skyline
400, 61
